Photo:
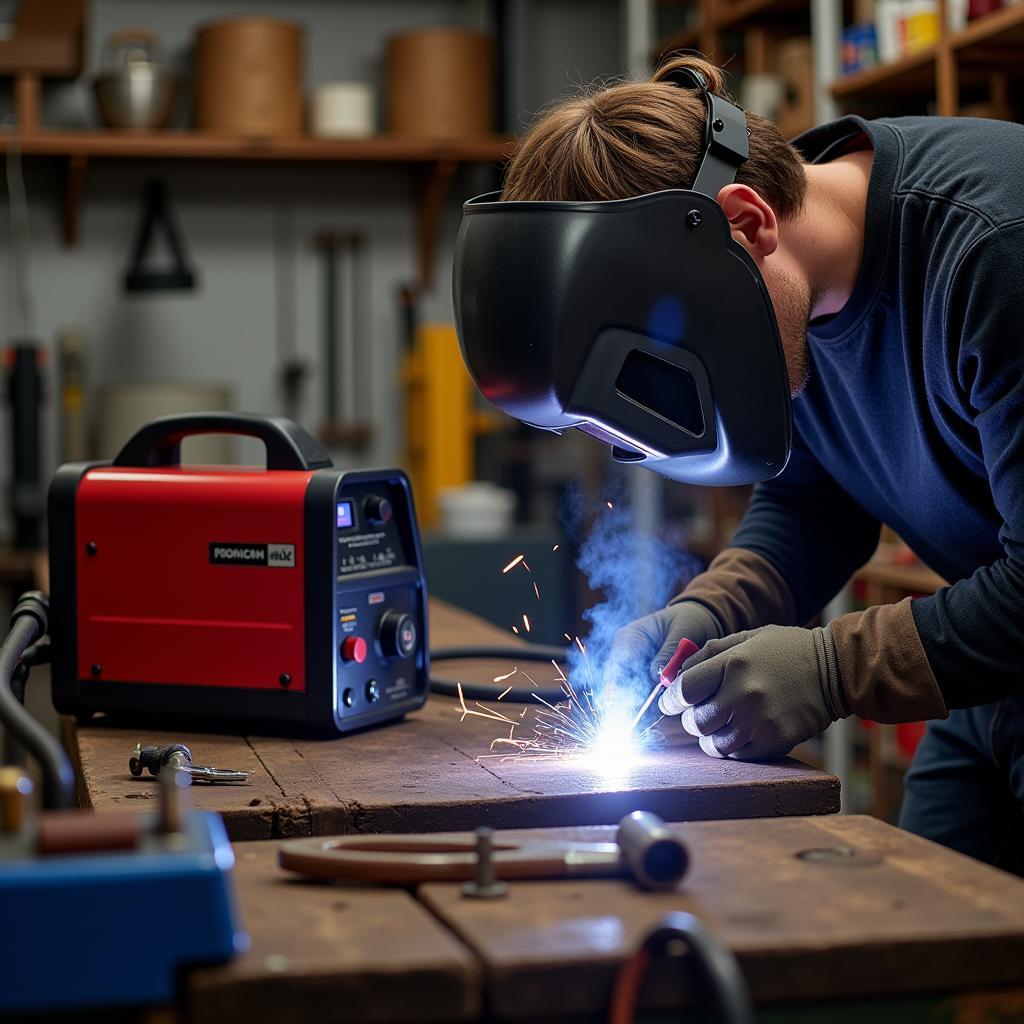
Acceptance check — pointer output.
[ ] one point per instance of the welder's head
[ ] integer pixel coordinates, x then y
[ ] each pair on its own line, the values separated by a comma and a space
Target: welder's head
628, 278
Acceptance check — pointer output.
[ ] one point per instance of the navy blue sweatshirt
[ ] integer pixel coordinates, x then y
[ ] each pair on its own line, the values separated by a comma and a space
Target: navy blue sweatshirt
914, 411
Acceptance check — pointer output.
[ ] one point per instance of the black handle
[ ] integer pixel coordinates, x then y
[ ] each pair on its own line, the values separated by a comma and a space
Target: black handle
288, 445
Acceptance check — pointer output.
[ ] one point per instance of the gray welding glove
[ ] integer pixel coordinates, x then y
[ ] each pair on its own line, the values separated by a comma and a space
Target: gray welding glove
759, 693
648, 643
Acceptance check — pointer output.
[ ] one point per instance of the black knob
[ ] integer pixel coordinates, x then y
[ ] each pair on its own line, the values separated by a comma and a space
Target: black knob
397, 635
377, 510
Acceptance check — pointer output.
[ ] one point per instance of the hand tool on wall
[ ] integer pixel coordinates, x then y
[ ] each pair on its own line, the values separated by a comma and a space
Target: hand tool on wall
666, 677
177, 757
348, 358
24, 398
645, 850
156, 215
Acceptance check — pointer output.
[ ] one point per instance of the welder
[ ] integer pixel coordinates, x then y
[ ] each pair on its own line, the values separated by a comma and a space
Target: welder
598, 292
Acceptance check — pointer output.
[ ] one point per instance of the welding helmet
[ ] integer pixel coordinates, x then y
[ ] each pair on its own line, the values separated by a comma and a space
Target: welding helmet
639, 321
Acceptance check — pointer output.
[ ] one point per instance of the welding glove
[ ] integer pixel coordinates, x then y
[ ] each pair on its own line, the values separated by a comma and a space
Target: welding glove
759, 693
653, 639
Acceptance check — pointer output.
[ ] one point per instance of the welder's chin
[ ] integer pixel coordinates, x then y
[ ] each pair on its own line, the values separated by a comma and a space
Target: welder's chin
791, 300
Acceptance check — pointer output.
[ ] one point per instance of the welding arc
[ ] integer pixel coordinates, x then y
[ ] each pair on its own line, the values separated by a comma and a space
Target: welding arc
484, 691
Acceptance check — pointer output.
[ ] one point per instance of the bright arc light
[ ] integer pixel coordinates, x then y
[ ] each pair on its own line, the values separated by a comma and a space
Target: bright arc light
615, 749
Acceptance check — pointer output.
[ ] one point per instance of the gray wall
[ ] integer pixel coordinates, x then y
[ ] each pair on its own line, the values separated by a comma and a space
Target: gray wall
248, 227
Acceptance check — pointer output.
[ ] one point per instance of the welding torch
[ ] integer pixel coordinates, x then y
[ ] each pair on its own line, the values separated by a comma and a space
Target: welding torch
667, 676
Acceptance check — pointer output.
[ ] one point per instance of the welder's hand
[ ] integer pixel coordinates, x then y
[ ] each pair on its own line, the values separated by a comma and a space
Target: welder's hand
648, 643
759, 693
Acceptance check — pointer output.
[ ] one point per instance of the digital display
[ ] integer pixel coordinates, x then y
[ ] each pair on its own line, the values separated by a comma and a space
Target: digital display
344, 514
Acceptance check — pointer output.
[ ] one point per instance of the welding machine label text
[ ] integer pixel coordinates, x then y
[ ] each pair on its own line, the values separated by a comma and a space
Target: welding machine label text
276, 556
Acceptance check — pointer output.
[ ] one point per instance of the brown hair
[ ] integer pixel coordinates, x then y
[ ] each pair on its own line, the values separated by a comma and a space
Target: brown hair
637, 137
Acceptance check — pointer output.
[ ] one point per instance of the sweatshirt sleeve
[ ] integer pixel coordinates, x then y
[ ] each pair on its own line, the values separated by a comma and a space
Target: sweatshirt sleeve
973, 631
809, 530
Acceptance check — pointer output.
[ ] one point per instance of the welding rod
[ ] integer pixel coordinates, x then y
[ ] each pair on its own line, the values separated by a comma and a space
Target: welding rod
667, 676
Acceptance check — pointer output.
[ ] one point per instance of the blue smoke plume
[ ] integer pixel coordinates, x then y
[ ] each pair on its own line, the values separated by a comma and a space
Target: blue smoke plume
636, 573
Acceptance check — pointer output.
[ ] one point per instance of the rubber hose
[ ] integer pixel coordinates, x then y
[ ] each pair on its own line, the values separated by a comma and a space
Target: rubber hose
490, 691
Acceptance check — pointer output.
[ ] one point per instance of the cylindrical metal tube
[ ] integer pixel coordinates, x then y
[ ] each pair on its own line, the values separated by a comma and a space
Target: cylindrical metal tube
656, 857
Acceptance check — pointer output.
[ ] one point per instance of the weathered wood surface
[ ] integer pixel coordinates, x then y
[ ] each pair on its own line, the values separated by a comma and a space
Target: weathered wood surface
331, 954
903, 916
421, 774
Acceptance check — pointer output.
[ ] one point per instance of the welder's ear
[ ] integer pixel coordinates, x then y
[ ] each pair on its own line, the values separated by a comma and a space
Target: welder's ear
752, 221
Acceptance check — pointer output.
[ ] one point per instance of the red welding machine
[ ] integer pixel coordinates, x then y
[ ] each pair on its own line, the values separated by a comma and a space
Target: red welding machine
291, 596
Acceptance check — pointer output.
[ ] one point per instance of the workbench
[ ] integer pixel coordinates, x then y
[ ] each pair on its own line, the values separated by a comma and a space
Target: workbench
422, 774
890, 927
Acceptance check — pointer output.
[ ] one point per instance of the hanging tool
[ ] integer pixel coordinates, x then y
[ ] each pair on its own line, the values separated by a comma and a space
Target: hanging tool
177, 757
667, 676
645, 849
156, 215
25, 399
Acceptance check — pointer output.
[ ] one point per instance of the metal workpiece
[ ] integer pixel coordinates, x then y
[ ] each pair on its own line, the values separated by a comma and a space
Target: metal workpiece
484, 884
179, 757
647, 852
657, 858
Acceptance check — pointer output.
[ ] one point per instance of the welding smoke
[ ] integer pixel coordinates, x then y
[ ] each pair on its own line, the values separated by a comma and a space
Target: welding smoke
635, 572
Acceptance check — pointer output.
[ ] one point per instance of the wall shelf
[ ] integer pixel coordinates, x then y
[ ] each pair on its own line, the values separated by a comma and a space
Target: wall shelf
435, 160
914, 73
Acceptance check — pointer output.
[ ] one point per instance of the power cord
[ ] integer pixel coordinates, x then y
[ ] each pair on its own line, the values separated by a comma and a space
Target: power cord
520, 693
29, 623
713, 961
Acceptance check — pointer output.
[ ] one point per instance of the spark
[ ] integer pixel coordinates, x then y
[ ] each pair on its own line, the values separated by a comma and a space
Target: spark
536, 589
515, 561
526, 622
609, 504
515, 629
507, 675
555, 548
505, 692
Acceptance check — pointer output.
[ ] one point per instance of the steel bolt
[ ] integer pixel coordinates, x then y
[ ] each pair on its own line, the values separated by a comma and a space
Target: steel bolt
284, 679
173, 801
694, 218
718, 125
91, 548
484, 884
97, 669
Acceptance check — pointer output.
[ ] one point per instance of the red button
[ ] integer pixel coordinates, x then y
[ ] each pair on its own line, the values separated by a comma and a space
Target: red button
354, 649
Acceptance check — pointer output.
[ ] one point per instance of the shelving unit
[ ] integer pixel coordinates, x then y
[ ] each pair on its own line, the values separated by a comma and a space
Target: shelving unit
986, 52
435, 161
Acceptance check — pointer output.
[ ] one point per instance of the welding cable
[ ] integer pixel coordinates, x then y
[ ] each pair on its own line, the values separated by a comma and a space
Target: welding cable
29, 621
487, 691
713, 961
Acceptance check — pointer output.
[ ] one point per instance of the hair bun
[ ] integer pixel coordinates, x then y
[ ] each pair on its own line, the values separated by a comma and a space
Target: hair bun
712, 75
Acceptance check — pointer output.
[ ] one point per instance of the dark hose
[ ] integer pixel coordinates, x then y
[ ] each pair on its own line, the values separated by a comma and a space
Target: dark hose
490, 691
29, 622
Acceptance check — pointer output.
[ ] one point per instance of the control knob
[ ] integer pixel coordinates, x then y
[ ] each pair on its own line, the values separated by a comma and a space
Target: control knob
377, 510
397, 634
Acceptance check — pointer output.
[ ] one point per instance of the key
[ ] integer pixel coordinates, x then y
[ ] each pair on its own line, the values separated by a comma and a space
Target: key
177, 755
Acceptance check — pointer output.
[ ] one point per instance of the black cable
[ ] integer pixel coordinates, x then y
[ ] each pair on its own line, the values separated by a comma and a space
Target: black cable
12, 752
713, 961
29, 622
522, 694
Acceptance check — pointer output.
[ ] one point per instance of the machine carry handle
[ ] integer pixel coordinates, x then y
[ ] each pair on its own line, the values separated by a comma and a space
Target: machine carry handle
159, 443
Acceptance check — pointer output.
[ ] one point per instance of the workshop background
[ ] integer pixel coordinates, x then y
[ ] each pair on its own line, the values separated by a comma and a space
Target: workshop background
264, 221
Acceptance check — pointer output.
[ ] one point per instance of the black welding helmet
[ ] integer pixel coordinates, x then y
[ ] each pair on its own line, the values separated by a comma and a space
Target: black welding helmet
639, 321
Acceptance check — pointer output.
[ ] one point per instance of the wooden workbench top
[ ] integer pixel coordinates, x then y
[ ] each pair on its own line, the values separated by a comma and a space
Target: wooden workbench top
879, 914
421, 774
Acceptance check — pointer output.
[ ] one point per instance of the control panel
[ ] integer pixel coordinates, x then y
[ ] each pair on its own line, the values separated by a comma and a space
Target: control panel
381, 657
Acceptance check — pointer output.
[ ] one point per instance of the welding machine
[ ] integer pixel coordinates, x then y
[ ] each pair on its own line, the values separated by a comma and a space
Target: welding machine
278, 598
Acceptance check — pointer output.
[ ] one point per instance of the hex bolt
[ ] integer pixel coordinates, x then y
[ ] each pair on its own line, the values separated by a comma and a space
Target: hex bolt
484, 885
694, 218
